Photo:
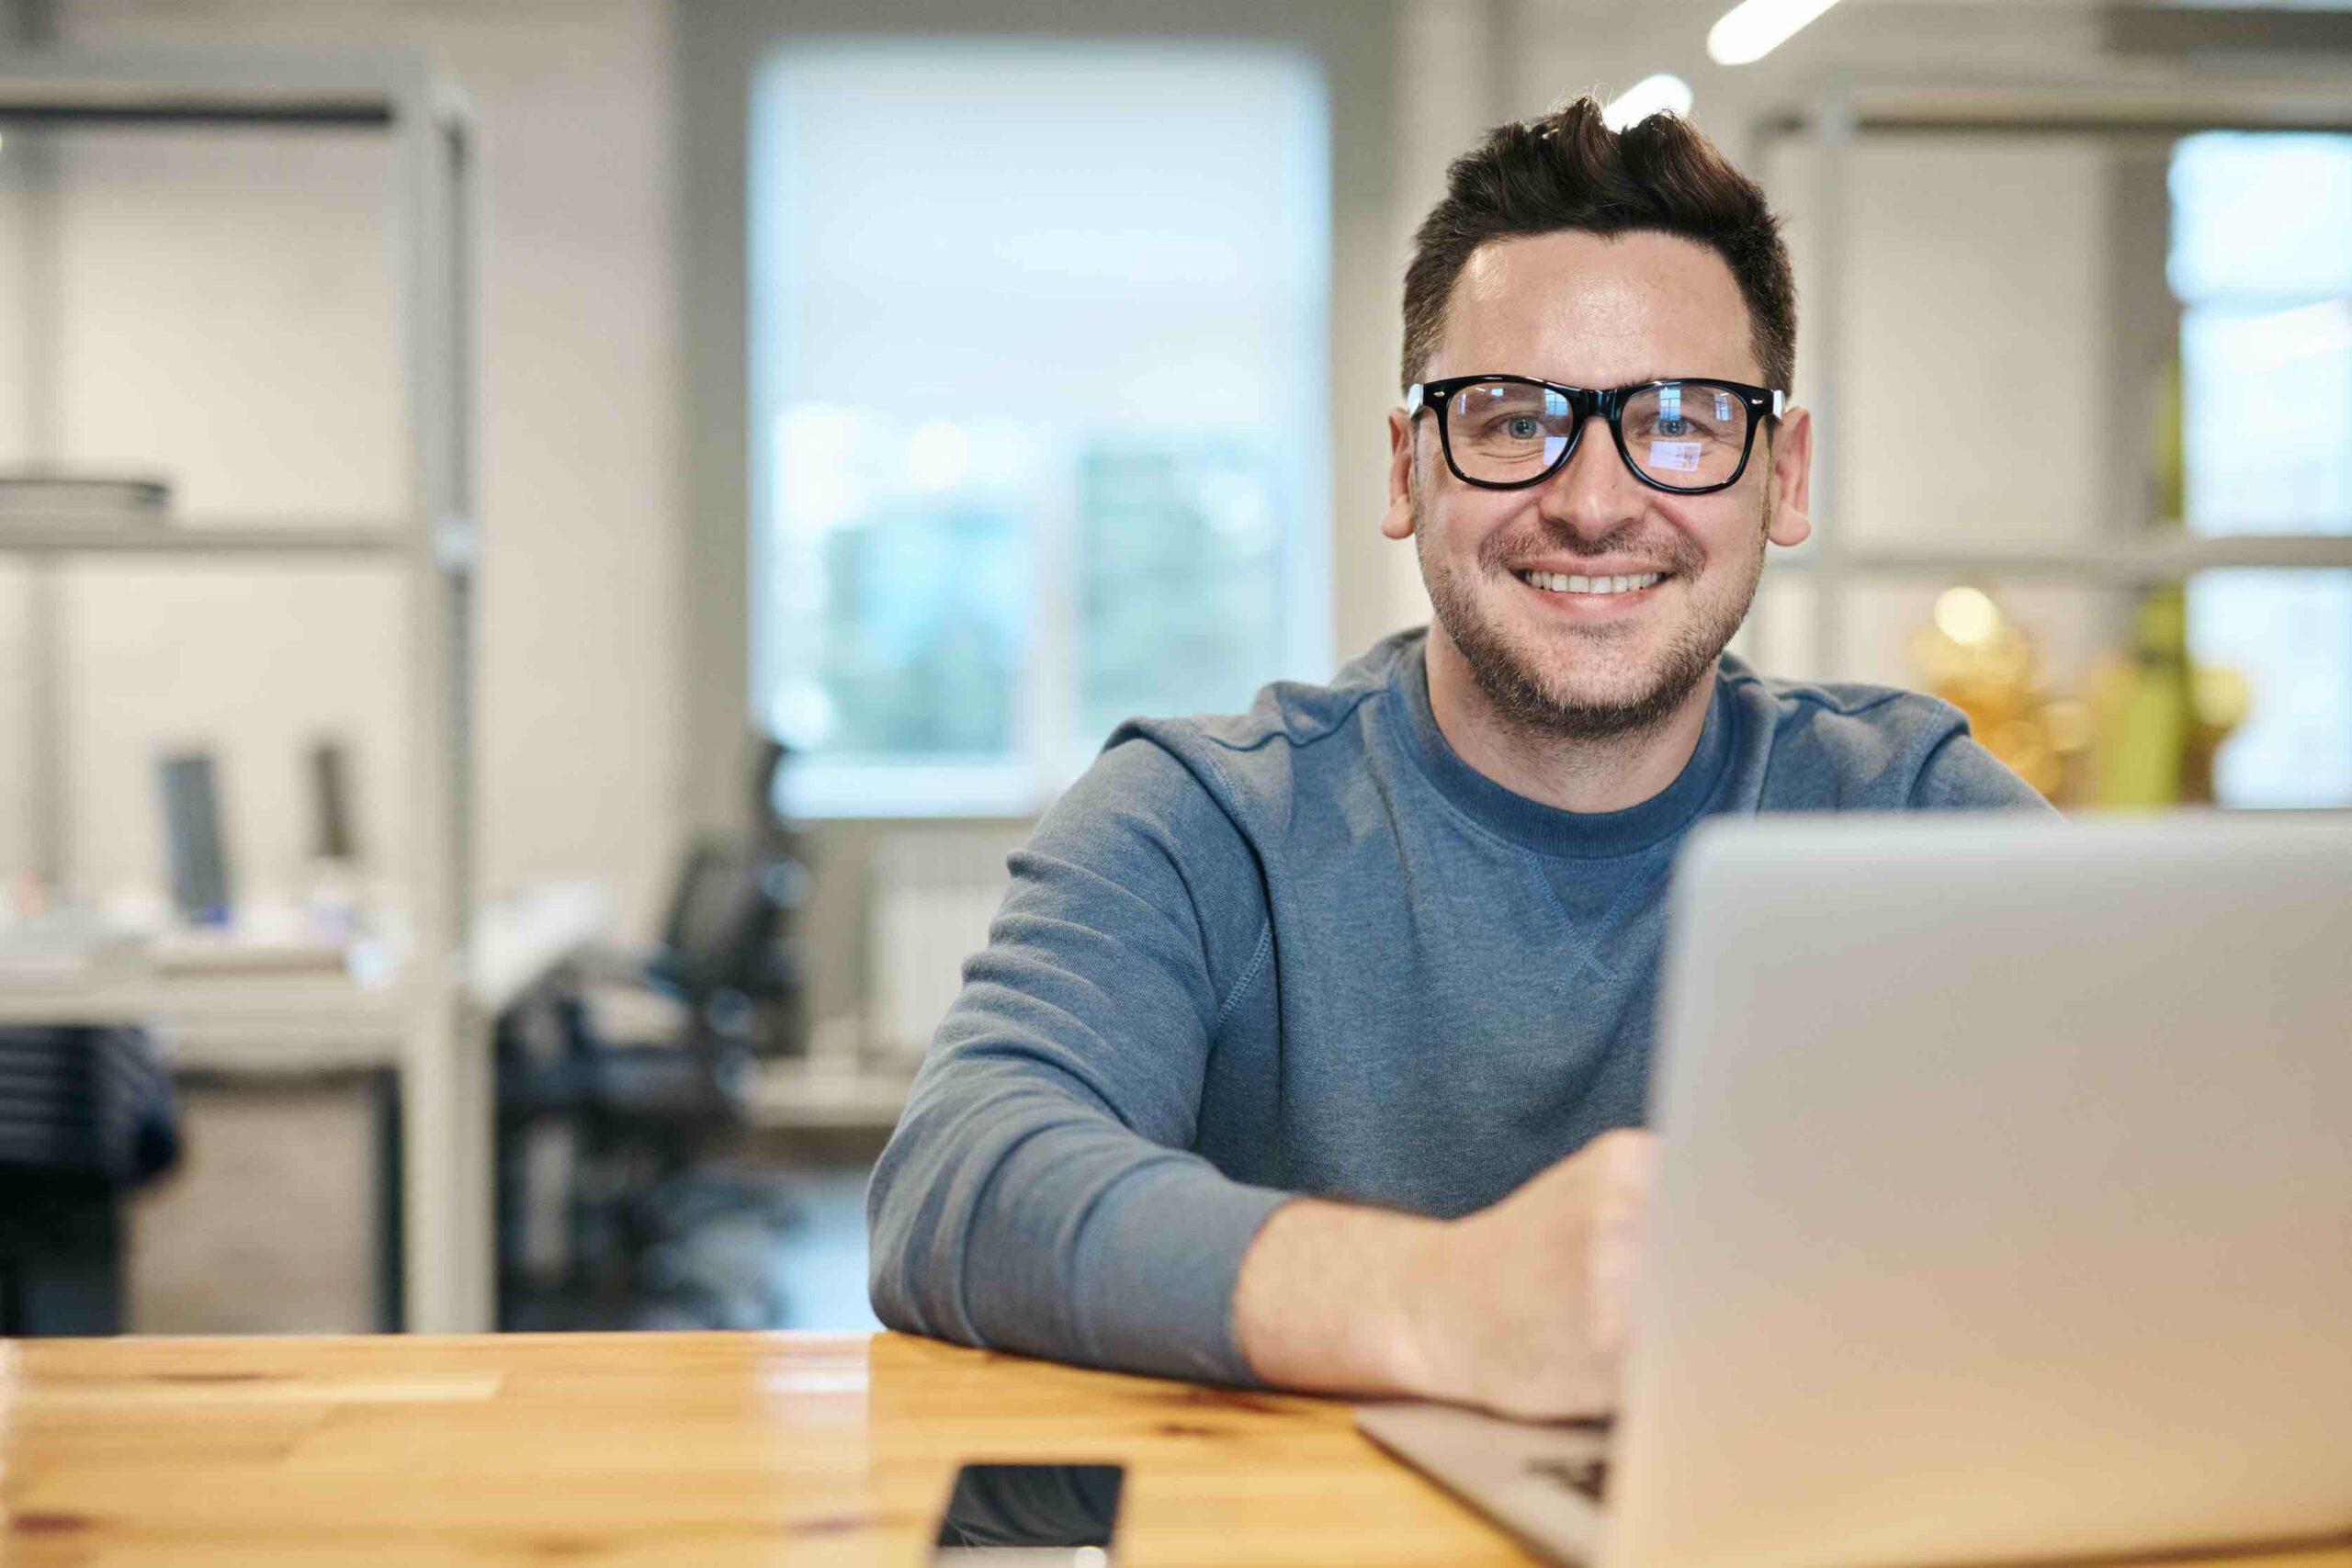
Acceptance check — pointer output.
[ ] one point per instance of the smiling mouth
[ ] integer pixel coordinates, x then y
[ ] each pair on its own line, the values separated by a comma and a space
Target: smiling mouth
1594, 587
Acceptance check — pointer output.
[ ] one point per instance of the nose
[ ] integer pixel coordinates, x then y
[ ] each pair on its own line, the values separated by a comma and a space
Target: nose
1593, 491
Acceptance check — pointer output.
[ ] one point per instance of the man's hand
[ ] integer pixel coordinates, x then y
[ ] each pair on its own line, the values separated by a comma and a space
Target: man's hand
1532, 1310
1525, 1308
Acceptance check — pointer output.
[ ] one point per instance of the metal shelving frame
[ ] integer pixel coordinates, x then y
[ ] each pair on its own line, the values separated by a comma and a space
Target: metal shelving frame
444, 1087
2128, 102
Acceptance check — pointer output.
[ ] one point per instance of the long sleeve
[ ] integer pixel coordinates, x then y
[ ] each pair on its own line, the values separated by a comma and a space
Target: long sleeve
1040, 1194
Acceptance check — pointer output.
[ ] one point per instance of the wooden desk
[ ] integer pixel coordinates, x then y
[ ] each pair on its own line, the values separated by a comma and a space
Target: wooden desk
703, 1449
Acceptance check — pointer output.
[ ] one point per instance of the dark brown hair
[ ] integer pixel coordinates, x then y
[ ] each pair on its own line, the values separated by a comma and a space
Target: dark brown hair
1568, 170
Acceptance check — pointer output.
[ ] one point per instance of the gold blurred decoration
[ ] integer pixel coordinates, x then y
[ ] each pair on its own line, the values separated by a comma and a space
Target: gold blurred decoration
1983, 663
2143, 739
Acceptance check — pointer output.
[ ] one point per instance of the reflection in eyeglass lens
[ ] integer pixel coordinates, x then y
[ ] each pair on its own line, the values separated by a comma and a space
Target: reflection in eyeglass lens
1684, 435
1504, 431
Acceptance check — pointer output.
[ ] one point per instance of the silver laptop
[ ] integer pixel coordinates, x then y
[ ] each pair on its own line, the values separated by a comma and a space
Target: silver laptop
2004, 1210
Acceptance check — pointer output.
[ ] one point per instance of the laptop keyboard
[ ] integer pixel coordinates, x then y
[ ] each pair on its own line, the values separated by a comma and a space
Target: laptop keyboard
1589, 1476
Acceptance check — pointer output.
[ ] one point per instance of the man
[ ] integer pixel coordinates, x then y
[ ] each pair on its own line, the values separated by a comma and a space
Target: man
1308, 1042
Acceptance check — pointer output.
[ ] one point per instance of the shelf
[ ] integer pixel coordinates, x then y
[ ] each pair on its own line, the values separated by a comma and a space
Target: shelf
134, 533
2158, 559
364, 110
430, 1025
801, 1096
2158, 101
228, 1019
319, 90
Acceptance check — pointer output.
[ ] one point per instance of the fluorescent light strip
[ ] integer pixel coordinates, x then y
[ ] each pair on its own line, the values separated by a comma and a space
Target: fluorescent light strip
1664, 92
1750, 31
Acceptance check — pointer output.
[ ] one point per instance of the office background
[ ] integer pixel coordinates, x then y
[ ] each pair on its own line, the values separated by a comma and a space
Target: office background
928, 385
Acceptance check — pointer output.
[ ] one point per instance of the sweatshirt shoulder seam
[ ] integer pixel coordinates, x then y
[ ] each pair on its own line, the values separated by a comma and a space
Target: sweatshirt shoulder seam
1809, 692
1330, 727
1249, 973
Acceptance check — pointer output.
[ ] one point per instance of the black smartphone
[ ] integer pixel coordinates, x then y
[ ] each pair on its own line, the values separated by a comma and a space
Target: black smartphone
1030, 1516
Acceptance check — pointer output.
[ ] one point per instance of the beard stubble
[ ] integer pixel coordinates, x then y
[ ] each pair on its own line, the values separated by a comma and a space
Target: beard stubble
1519, 692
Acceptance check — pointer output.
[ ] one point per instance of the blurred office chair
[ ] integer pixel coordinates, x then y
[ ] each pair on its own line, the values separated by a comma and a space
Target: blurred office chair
85, 1116
655, 1233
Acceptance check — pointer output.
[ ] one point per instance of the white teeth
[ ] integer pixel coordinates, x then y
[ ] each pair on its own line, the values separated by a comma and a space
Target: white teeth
1554, 582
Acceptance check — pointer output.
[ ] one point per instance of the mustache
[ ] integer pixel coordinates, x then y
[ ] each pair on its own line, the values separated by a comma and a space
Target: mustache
1668, 550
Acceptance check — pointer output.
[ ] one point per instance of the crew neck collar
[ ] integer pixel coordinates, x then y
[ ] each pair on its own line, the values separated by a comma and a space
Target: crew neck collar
1547, 829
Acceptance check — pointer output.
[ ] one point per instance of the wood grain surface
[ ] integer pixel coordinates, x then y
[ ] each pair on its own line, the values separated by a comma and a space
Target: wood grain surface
704, 1450
709, 1449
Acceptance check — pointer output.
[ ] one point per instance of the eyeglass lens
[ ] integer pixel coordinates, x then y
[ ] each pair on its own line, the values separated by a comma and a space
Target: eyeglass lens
1681, 435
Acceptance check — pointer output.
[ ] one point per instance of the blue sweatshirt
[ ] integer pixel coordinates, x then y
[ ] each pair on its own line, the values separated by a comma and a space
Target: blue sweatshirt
1308, 950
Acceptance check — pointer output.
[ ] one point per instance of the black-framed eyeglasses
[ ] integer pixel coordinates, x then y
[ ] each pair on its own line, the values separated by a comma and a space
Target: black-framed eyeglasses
1689, 435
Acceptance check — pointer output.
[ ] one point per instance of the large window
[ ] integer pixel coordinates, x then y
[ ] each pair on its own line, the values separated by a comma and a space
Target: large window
2262, 263
1040, 405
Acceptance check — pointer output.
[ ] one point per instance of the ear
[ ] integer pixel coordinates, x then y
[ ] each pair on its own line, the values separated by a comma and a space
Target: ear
1397, 522
1791, 479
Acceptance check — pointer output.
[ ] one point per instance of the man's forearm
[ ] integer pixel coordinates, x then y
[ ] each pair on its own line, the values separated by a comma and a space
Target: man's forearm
1006, 1215
1337, 1298
1524, 1307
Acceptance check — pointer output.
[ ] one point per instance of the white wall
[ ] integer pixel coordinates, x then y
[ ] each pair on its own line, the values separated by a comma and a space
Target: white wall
226, 314
1976, 349
1448, 95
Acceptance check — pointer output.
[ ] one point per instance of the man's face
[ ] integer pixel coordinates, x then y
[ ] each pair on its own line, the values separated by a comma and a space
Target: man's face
1586, 311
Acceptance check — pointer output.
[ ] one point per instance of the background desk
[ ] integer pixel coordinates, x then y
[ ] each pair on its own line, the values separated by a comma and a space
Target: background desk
230, 1020
703, 1449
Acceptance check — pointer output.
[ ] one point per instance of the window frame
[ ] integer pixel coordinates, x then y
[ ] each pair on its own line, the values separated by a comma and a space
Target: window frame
2182, 306
2141, 112
722, 46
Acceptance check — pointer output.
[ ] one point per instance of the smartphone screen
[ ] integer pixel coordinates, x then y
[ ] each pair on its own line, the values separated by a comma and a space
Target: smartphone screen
1014, 1516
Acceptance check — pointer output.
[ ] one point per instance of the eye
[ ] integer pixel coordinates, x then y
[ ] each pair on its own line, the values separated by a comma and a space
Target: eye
1522, 427
1673, 424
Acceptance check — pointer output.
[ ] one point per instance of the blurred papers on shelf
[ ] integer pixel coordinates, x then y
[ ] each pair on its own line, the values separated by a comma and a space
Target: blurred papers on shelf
67, 944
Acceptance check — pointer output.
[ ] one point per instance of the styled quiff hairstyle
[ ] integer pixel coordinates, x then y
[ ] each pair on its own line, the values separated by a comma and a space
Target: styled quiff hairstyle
1568, 170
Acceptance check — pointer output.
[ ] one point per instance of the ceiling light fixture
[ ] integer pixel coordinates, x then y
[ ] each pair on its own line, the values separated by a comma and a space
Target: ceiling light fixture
1754, 29
1662, 93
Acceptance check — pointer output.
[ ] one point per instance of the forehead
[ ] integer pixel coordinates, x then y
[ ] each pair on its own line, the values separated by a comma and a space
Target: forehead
1594, 311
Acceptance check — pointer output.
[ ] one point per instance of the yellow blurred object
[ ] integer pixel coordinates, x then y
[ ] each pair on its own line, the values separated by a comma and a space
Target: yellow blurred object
2167, 445
2143, 739
2146, 737
1984, 664
2220, 701
2223, 697
2158, 721
1967, 615
2068, 720
2143, 714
